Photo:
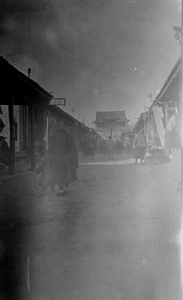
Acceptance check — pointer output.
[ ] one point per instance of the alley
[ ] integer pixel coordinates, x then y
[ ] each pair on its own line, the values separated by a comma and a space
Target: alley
114, 237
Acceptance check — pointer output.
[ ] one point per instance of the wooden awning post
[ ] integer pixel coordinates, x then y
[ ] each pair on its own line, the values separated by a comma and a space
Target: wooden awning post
32, 137
12, 137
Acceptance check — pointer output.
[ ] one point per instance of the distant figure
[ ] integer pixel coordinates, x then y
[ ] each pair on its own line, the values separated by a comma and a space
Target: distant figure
4, 151
91, 144
173, 136
88, 146
127, 144
73, 159
85, 146
110, 147
139, 145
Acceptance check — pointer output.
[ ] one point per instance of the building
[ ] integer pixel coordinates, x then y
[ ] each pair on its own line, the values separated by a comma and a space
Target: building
155, 120
23, 111
111, 123
162, 108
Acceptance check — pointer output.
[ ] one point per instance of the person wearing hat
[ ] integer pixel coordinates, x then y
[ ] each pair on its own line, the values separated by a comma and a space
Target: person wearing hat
139, 144
173, 145
4, 151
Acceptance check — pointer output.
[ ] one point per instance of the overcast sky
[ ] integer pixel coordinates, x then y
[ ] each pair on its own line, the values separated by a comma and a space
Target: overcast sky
99, 54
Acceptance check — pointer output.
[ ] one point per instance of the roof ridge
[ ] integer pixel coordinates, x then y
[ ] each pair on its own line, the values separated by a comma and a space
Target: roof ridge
23, 77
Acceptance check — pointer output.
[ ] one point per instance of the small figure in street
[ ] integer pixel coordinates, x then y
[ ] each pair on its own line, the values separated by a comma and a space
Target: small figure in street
4, 151
73, 160
173, 136
91, 146
139, 145
127, 144
88, 146
110, 147
63, 159
85, 147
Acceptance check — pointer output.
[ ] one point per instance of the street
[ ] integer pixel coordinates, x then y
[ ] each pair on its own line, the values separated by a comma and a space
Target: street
91, 150
114, 237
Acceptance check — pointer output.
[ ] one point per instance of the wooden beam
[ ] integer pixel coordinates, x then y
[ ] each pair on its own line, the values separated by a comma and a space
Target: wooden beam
32, 137
12, 138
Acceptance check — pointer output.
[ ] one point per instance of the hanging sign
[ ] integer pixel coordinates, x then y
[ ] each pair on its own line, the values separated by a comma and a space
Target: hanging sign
58, 101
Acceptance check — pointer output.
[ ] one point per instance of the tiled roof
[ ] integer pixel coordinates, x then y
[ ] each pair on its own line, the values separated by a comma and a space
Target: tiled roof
175, 72
171, 89
7, 67
102, 116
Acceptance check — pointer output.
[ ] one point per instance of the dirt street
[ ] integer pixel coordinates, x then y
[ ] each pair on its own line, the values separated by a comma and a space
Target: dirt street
114, 237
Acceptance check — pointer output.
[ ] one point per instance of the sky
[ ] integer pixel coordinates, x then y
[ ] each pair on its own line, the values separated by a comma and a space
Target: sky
100, 55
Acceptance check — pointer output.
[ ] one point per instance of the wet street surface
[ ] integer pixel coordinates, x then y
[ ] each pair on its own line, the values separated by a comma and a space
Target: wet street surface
115, 236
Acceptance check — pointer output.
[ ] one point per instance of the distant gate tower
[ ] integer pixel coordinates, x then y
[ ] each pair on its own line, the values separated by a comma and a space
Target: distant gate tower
111, 123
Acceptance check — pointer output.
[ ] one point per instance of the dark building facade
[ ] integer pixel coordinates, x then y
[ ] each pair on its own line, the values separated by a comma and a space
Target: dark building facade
23, 105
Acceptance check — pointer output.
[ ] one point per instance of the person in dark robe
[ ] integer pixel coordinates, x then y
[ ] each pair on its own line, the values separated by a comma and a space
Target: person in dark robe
173, 145
139, 145
91, 146
85, 146
63, 159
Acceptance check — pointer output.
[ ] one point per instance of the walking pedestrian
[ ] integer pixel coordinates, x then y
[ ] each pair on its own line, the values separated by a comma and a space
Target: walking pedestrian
73, 159
85, 147
139, 145
173, 134
127, 144
91, 146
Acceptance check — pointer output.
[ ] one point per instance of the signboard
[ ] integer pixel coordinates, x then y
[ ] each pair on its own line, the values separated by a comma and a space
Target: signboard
58, 101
